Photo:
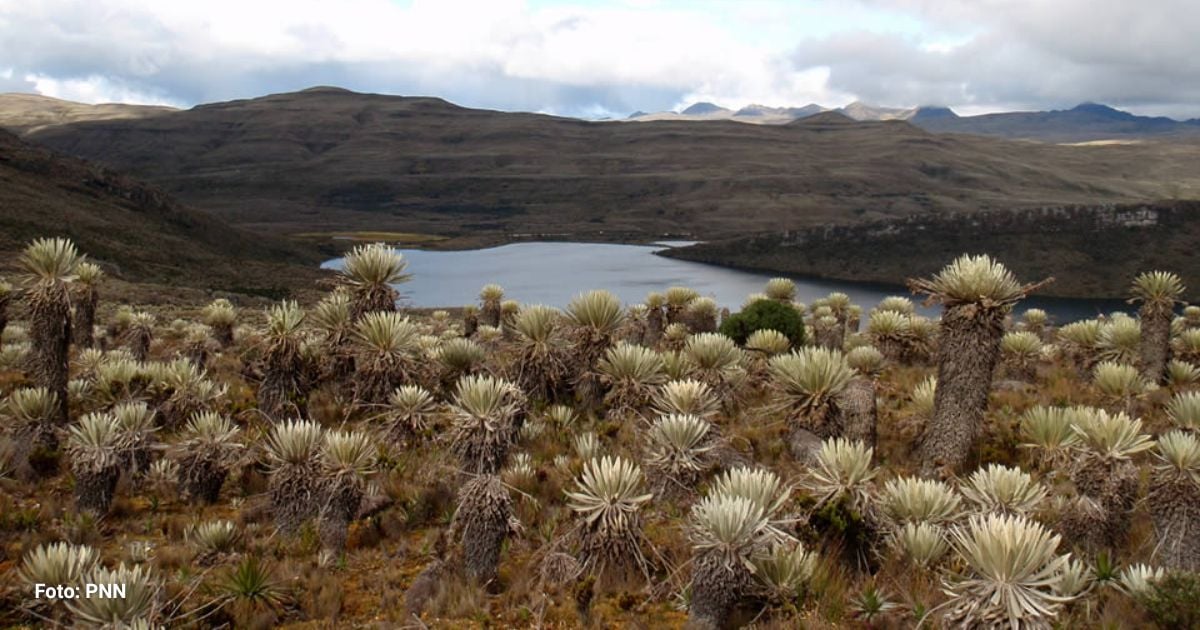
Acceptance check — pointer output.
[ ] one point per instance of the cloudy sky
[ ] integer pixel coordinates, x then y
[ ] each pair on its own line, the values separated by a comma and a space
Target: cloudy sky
595, 58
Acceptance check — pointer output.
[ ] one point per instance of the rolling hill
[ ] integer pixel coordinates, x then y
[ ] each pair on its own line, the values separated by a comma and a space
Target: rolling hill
25, 113
135, 231
327, 159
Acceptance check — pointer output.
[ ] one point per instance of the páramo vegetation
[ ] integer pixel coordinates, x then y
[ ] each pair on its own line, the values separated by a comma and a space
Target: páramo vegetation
351, 462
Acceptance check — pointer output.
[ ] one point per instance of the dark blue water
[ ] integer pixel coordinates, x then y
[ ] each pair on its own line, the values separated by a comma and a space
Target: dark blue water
553, 273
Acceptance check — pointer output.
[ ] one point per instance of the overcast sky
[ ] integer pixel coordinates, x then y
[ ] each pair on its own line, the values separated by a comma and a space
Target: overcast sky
608, 58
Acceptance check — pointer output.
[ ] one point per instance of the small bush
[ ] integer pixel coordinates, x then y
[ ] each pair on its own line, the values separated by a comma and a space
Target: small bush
1174, 601
765, 315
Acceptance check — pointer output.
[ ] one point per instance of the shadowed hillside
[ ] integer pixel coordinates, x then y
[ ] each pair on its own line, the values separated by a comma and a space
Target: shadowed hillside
1092, 252
136, 232
1084, 123
329, 159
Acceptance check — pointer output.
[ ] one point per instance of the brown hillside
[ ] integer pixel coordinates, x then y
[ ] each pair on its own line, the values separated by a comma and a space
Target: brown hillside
329, 159
135, 231
1091, 251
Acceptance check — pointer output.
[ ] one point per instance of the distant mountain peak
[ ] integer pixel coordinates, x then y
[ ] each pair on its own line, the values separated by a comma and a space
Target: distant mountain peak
697, 109
859, 110
753, 110
807, 110
830, 117
1092, 106
325, 88
932, 112
1102, 110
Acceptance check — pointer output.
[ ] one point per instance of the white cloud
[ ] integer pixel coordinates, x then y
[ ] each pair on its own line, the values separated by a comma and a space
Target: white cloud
1031, 54
584, 59
94, 89
628, 55
11, 82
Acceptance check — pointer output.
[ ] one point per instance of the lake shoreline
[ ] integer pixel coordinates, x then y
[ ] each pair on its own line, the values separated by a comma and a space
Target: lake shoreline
336, 244
484, 241
446, 279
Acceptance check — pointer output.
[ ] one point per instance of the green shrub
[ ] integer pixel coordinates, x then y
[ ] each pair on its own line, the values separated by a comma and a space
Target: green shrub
1174, 601
765, 315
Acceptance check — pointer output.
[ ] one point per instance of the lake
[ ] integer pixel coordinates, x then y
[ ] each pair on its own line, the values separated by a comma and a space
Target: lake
553, 273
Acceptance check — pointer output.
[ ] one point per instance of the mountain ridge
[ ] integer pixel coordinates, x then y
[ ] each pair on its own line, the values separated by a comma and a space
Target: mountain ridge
1085, 122
1082, 123
333, 160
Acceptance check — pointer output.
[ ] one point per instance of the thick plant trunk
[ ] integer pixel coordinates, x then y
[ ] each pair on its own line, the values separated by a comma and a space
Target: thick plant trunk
856, 406
489, 314
36, 448
839, 332
4, 301
804, 446
824, 422
340, 508
137, 458
223, 334
1175, 506
371, 300
202, 477
830, 337
673, 313
51, 337
1111, 487
1020, 370
1156, 344
337, 366
891, 348
717, 587
294, 493
197, 354
94, 490
484, 508
470, 324
139, 344
654, 327
588, 384
968, 349
282, 379
375, 380
532, 375
702, 323
85, 318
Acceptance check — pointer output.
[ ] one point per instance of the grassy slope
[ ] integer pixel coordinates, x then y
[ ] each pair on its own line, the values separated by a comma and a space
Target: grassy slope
137, 232
328, 159
26, 113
